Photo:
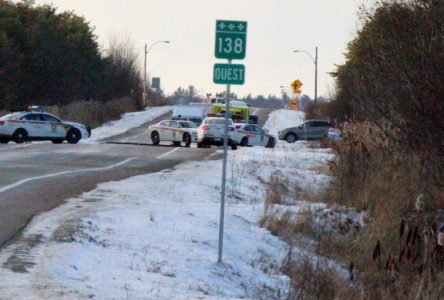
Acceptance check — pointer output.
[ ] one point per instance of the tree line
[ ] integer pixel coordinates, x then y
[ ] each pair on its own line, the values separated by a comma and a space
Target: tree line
53, 58
187, 95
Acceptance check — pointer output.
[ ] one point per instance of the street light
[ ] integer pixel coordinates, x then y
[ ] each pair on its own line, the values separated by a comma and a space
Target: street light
315, 61
147, 49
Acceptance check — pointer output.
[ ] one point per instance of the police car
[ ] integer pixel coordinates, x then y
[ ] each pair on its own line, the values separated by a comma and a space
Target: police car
253, 135
36, 125
173, 131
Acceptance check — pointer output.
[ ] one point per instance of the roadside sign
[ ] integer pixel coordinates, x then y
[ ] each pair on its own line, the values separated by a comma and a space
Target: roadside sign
293, 104
155, 83
231, 39
296, 85
231, 42
229, 74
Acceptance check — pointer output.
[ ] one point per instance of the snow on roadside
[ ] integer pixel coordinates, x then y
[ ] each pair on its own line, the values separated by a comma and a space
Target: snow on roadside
155, 236
140, 238
127, 122
283, 118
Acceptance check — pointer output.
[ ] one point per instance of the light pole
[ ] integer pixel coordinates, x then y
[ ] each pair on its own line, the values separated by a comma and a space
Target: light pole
315, 61
147, 49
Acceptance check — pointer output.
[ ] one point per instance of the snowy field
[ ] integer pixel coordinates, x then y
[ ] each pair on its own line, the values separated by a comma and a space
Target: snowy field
127, 122
155, 236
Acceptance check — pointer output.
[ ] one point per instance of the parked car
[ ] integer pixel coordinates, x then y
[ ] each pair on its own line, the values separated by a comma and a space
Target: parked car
173, 131
37, 125
309, 130
212, 132
253, 135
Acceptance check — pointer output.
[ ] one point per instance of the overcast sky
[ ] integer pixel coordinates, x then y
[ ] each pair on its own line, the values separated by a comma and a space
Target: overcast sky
275, 29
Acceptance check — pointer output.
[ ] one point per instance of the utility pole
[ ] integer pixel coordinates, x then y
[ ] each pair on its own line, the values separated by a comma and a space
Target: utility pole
224, 174
144, 79
315, 61
316, 76
147, 49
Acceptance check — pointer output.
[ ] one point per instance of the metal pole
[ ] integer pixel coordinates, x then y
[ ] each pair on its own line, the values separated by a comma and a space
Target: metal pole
224, 174
144, 80
316, 76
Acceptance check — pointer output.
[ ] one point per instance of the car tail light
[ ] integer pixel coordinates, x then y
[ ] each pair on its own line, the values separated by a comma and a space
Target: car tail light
2, 123
205, 128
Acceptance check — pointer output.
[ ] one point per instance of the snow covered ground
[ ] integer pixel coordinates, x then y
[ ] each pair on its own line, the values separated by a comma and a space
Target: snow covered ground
127, 122
155, 236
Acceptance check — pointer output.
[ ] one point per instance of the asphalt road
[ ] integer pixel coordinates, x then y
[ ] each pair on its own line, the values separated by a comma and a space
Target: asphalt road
37, 177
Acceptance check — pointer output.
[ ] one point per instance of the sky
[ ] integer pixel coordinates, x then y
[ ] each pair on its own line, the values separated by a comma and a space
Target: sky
275, 29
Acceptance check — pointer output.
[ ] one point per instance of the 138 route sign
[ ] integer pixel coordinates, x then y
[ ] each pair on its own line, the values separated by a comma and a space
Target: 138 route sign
231, 39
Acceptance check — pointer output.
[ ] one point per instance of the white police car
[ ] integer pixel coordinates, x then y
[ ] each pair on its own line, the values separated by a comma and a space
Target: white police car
253, 135
35, 125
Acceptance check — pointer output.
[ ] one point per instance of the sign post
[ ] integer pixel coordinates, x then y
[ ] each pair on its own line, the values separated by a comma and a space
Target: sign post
231, 41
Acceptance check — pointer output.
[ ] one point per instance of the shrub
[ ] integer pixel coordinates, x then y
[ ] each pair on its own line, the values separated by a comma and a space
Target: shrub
92, 113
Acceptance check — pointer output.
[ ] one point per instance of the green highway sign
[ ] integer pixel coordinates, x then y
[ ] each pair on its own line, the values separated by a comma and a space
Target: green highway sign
231, 39
229, 74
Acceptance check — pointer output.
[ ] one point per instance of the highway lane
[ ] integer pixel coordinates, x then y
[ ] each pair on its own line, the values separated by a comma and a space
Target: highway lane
40, 176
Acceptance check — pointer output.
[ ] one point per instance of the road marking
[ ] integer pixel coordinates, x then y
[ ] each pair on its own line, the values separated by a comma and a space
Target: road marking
15, 147
168, 153
255, 111
134, 136
23, 181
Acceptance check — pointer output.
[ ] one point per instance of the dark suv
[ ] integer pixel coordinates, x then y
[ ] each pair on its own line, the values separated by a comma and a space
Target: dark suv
309, 130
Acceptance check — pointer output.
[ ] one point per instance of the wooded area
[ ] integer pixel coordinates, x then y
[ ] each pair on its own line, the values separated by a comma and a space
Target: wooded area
51, 58
390, 102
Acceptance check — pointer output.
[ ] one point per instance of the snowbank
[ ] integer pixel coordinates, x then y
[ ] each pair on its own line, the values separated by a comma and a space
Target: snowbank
127, 122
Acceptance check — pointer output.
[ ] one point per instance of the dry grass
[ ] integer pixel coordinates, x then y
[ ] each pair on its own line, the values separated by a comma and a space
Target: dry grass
311, 281
322, 169
92, 113
376, 175
398, 254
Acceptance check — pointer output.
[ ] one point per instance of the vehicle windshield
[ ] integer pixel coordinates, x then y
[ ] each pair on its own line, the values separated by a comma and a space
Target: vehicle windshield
218, 121
188, 124
196, 120
8, 116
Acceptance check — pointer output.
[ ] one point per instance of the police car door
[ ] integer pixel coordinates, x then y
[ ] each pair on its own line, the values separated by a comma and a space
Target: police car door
260, 136
252, 139
35, 126
56, 128
176, 135
164, 131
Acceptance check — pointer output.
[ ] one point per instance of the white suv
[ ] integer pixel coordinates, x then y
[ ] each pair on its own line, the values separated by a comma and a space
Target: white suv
211, 132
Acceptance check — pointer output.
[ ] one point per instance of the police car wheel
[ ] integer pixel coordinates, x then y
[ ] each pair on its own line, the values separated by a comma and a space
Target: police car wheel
155, 138
73, 136
187, 139
57, 141
20, 136
271, 143
244, 142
